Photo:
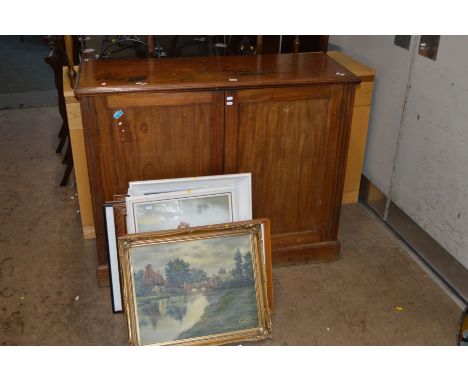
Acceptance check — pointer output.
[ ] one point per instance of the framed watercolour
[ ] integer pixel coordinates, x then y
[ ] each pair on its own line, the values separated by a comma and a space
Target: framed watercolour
183, 209
195, 286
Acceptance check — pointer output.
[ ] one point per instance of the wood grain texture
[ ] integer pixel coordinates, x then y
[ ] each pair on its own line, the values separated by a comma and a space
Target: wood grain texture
294, 142
160, 141
281, 142
89, 232
356, 152
344, 117
80, 164
312, 253
75, 126
350, 197
364, 94
197, 73
68, 90
95, 179
362, 102
293, 239
102, 274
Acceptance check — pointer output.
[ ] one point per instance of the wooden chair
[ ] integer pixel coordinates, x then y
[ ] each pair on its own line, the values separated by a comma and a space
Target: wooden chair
57, 58
273, 44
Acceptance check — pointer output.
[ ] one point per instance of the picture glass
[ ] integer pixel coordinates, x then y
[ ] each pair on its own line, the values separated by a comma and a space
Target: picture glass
194, 288
183, 212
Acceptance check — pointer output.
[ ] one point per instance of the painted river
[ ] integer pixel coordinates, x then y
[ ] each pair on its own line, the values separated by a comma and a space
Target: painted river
165, 319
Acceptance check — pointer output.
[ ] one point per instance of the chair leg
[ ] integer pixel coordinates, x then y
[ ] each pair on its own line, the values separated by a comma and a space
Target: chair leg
68, 159
66, 175
61, 144
62, 131
63, 138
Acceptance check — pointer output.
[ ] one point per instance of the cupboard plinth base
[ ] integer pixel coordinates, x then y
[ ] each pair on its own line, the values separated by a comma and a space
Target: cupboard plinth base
325, 252
102, 274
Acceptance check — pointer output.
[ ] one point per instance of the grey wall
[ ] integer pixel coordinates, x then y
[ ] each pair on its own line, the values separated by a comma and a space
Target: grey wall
430, 142
392, 65
431, 175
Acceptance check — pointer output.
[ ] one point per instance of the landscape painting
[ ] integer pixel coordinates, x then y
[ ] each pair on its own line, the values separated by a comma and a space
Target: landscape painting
182, 212
194, 288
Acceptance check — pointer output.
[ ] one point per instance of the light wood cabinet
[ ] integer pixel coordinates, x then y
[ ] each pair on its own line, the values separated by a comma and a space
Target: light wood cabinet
284, 118
359, 124
75, 126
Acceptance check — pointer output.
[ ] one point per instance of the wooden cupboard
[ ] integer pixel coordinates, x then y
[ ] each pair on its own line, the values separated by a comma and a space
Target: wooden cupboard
284, 118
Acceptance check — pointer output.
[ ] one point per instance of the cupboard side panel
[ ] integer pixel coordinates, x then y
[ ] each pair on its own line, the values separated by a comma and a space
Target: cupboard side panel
91, 135
340, 115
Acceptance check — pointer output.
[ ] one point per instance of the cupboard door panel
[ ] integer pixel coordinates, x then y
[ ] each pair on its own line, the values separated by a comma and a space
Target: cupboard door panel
281, 137
159, 136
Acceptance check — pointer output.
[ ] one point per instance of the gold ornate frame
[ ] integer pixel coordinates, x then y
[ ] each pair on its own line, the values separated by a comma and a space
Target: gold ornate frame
252, 227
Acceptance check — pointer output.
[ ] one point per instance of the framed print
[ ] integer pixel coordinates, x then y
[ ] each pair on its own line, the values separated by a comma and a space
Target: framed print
183, 209
195, 286
242, 183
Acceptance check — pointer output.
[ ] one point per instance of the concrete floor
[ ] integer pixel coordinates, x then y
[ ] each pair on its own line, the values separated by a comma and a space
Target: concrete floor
25, 79
45, 265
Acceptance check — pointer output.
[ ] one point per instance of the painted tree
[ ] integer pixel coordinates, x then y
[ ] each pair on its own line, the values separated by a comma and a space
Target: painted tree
141, 289
177, 272
247, 268
237, 273
197, 275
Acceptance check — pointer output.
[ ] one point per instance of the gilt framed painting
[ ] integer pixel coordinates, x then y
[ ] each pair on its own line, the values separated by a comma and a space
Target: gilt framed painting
195, 286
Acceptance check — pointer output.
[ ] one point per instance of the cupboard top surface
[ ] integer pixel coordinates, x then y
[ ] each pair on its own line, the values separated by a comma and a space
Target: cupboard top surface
220, 72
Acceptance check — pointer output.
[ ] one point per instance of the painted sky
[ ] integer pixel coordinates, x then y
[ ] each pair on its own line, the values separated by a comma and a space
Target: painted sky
162, 215
208, 254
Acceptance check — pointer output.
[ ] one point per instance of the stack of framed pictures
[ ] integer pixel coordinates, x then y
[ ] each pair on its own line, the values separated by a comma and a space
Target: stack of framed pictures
194, 268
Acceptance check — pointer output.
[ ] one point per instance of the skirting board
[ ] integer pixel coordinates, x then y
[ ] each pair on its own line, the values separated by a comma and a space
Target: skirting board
451, 272
324, 252
449, 269
372, 197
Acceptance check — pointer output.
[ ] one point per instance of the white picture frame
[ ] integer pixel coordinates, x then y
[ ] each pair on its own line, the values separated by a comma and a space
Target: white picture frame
113, 258
238, 185
241, 182
183, 209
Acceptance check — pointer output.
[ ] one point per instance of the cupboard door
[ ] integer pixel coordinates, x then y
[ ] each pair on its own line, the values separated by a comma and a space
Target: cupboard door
157, 136
291, 140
